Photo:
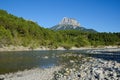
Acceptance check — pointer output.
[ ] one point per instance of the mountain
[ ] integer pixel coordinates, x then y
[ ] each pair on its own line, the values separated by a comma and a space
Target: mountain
70, 24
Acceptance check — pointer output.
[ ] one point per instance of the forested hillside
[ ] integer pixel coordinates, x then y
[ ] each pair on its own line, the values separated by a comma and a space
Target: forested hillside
20, 32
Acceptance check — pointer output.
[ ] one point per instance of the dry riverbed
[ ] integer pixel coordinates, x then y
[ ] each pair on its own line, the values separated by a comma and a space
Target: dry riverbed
33, 74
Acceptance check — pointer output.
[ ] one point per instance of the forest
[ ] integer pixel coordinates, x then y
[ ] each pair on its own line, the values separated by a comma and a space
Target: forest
20, 32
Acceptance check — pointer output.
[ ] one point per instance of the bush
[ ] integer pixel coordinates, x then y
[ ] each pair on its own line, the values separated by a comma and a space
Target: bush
66, 46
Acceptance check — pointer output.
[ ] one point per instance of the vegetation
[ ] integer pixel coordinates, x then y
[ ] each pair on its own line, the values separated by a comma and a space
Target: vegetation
20, 32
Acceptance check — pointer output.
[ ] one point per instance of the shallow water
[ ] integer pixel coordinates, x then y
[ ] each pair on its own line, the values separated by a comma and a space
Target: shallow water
106, 55
21, 60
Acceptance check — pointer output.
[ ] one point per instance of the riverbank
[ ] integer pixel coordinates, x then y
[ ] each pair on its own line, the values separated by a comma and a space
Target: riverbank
33, 74
88, 68
22, 48
74, 66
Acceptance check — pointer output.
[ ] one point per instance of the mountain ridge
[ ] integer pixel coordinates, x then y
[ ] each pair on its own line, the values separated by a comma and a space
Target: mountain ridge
70, 24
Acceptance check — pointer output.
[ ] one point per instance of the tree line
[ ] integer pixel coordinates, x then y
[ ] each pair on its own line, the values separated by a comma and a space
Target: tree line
20, 32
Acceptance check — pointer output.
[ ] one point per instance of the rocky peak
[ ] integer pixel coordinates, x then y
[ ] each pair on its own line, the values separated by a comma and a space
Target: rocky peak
69, 21
70, 24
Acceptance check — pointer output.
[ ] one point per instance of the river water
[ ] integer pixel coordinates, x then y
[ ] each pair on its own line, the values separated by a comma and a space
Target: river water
21, 60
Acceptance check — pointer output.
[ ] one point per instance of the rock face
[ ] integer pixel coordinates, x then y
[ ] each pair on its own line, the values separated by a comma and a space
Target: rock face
70, 24
70, 21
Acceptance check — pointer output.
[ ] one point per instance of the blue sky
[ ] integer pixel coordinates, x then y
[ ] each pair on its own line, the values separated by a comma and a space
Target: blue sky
101, 15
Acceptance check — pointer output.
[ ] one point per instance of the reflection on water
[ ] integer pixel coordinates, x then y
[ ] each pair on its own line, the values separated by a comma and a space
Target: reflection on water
14, 61
21, 60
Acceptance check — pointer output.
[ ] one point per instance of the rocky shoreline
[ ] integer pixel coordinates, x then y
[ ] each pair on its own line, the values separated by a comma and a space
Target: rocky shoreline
33, 74
22, 48
90, 69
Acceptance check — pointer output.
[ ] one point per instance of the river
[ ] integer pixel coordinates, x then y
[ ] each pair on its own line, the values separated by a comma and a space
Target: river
21, 60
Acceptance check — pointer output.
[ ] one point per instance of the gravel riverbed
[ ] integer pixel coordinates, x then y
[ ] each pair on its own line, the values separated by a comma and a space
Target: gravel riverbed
90, 69
33, 74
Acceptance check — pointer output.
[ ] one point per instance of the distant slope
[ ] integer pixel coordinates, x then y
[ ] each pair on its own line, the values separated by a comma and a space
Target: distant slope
70, 27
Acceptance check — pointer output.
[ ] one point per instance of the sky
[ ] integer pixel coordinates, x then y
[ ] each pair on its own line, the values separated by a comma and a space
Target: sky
101, 15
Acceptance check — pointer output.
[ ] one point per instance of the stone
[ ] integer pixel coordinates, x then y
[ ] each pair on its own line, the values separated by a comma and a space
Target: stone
83, 74
71, 61
101, 76
98, 71
118, 75
1, 78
